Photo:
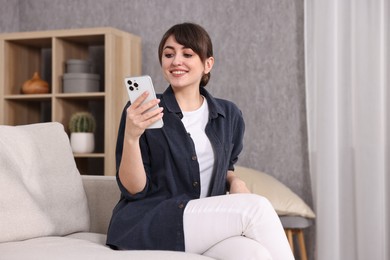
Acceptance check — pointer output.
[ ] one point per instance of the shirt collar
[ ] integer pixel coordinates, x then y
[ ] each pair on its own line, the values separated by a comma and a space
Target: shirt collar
173, 107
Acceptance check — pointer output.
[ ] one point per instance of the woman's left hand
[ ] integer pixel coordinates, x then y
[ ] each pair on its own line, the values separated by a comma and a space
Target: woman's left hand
236, 184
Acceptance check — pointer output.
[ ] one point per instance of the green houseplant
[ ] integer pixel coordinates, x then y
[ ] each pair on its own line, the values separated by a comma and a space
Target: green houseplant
82, 126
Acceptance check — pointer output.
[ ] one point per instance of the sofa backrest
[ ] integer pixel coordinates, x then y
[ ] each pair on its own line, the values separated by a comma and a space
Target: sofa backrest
41, 191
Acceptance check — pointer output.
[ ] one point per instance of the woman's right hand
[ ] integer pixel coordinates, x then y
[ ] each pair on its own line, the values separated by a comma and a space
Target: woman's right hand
138, 120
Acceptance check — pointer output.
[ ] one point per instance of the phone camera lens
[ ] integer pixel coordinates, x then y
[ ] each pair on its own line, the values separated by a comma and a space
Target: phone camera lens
129, 82
136, 85
131, 88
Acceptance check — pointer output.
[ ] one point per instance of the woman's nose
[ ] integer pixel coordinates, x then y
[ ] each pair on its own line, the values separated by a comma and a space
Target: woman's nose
177, 60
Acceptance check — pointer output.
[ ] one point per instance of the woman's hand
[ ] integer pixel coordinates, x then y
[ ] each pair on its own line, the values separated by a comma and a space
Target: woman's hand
236, 184
138, 120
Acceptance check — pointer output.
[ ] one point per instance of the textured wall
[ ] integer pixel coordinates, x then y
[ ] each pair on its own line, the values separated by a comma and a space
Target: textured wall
9, 15
259, 52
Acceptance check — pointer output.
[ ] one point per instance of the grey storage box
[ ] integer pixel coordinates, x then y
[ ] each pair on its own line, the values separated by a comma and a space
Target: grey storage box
81, 82
78, 66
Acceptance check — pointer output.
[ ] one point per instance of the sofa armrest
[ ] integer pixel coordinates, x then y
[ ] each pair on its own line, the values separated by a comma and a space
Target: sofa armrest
102, 195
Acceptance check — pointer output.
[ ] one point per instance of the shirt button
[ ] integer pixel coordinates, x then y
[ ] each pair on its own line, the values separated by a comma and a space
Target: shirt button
181, 205
195, 183
194, 158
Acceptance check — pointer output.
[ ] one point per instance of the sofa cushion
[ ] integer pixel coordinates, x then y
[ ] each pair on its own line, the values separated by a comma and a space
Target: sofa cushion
283, 199
41, 192
66, 248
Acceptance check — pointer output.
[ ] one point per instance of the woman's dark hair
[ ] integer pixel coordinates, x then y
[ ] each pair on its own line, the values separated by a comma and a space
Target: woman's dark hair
191, 36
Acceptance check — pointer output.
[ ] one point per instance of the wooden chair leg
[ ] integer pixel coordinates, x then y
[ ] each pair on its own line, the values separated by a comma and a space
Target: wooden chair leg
290, 238
302, 247
301, 241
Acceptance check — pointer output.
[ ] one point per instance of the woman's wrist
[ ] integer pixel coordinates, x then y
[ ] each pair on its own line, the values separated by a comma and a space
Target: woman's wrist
131, 140
229, 178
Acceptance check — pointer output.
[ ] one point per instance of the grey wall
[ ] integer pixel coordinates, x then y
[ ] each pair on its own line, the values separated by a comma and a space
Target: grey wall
9, 15
259, 52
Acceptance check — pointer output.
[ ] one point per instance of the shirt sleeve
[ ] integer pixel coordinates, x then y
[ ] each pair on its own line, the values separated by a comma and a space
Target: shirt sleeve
238, 128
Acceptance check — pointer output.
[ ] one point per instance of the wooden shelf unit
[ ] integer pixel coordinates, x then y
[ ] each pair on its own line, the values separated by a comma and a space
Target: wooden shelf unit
114, 53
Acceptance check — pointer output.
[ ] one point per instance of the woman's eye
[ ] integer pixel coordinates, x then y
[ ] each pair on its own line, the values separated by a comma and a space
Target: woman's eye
168, 55
188, 55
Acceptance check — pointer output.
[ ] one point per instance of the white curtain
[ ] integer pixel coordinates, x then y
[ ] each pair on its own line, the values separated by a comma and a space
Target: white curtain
347, 50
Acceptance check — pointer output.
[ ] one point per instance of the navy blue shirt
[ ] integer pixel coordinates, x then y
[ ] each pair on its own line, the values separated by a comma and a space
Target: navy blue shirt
153, 218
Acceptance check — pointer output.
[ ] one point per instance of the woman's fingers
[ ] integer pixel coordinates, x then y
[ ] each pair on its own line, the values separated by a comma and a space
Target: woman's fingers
146, 119
147, 107
141, 107
153, 115
140, 99
141, 115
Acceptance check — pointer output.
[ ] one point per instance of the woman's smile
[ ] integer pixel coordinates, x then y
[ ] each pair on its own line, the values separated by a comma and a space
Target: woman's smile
178, 72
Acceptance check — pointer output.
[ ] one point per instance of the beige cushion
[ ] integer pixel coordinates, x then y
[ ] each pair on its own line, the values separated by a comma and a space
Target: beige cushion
102, 194
41, 192
284, 201
74, 248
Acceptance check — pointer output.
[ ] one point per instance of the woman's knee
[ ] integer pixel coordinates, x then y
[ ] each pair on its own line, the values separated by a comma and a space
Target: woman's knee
260, 200
256, 203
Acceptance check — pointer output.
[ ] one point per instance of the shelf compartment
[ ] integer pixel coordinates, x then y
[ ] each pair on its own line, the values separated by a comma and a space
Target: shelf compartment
88, 47
90, 165
27, 111
22, 58
68, 105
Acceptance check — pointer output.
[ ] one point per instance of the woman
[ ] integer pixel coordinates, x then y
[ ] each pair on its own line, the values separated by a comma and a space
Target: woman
174, 180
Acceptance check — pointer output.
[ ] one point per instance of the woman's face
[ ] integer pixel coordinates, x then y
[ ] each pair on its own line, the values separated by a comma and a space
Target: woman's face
181, 66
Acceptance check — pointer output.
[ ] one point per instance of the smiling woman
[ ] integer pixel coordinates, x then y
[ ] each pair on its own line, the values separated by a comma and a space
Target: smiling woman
174, 179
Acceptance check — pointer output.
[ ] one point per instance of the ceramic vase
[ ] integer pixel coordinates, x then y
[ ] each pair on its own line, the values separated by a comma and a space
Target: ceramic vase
35, 85
82, 142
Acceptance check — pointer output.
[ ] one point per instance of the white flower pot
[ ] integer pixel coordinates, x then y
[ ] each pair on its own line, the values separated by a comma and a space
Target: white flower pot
82, 142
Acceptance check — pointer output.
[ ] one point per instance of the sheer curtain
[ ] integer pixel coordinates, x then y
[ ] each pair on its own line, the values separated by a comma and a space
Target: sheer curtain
348, 94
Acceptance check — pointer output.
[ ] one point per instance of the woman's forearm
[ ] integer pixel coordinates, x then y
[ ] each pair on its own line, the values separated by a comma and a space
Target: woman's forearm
131, 170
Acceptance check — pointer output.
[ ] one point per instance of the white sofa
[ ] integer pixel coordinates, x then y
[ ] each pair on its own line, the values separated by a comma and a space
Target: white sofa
49, 211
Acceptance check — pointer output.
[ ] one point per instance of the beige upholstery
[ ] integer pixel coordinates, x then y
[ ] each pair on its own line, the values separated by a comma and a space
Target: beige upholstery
102, 195
41, 192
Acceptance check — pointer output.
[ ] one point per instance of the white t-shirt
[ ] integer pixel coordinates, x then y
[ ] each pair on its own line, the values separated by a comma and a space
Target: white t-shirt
195, 124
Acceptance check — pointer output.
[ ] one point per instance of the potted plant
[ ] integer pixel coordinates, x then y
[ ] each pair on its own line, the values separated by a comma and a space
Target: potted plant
82, 127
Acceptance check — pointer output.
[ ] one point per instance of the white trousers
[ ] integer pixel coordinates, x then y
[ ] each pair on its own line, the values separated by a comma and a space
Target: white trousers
235, 227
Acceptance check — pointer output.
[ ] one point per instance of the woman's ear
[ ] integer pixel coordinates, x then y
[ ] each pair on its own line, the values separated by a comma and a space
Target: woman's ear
208, 65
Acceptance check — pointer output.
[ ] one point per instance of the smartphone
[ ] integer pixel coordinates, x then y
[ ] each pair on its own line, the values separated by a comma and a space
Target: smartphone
135, 86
